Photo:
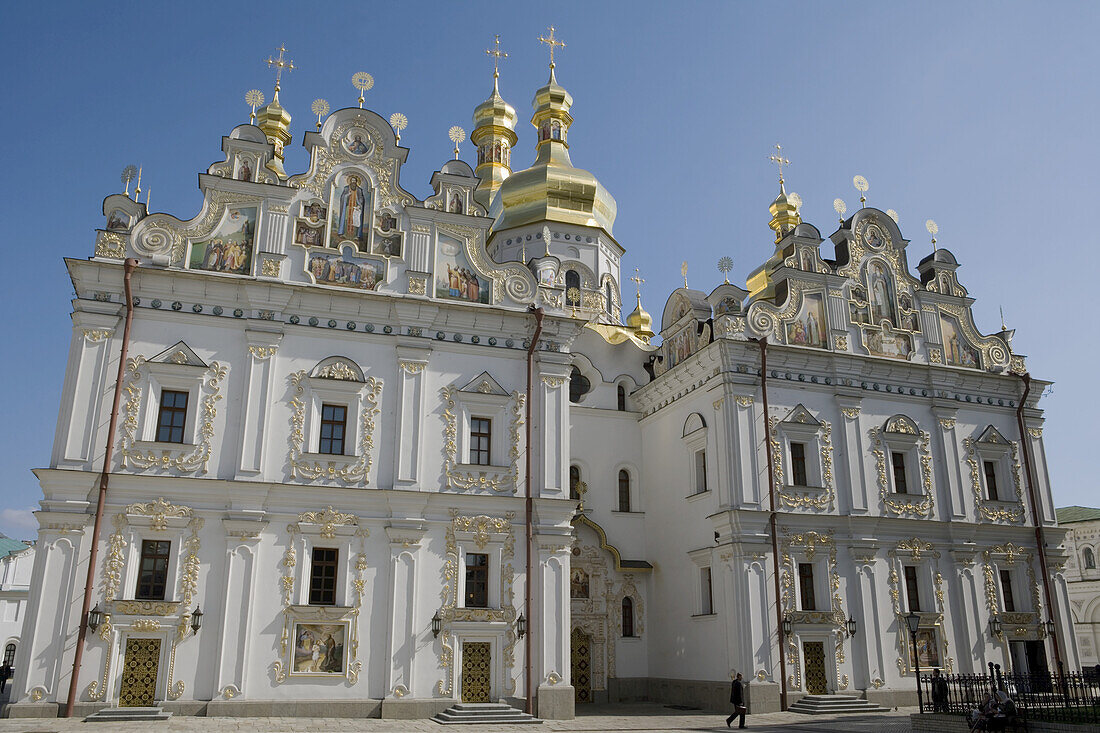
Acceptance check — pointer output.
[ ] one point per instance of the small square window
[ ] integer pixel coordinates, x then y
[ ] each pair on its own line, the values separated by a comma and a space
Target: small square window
798, 464
173, 416
322, 576
153, 570
481, 435
334, 421
897, 460
477, 580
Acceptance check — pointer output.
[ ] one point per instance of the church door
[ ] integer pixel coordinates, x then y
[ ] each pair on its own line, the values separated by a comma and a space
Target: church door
814, 652
139, 673
580, 645
476, 657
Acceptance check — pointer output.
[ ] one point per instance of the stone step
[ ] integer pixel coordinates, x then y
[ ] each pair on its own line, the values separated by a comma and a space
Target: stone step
119, 715
834, 704
484, 713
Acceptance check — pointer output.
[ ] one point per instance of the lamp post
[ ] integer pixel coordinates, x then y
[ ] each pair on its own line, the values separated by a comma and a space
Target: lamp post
787, 626
521, 626
95, 617
912, 620
851, 626
196, 620
437, 624
995, 626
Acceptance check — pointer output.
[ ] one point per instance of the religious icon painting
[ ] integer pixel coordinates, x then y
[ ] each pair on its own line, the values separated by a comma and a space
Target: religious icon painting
319, 649
455, 278
888, 342
873, 237
957, 351
118, 221
386, 221
244, 169
346, 270
808, 326
455, 203
880, 286
727, 306
356, 141
309, 229
387, 245
352, 209
927, 649
681, 346
229, 248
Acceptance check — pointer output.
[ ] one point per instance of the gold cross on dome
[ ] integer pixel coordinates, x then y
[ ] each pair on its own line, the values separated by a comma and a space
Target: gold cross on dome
638, 280
780, 161
552, 43
497, 55
279, 64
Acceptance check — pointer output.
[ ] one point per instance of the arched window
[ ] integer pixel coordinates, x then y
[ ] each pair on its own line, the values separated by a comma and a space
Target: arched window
574, 482
610, 302
620, 393
579, 385
9, 654
624, 491
572, 285
1089, 558
628, 616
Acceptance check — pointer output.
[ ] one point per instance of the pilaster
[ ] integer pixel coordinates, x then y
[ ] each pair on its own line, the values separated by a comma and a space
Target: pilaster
953, 463
242, 542
412, 363
858, 499
256, 399
405, 537
87, 382
551, 429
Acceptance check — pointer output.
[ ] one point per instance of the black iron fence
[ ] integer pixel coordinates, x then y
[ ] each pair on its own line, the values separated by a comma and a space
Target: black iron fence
1072, 697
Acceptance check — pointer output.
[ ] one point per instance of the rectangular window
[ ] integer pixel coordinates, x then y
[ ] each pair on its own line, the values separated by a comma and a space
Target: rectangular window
481, 432
477, 580
806, 586
1006, 591
991, 480
897, 460
153, 571
700, 471
912, 588
334, 422
706, 601
322, 577
798, 464
172, 417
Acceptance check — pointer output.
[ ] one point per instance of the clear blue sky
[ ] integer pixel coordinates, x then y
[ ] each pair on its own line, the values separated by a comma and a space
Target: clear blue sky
982, 116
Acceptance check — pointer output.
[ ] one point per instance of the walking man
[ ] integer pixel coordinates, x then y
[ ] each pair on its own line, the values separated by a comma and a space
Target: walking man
737, 698
6, 673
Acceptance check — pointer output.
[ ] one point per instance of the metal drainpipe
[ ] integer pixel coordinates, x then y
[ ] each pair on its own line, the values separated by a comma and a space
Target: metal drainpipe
773, 523
528, 511
104, 479
1039, 539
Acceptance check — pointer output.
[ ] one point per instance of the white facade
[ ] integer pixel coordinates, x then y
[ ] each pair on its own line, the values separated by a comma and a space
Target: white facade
15, 583
270, 307
1083, 576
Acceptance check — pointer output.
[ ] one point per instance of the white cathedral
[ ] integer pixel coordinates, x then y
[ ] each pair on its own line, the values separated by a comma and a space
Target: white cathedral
329, 448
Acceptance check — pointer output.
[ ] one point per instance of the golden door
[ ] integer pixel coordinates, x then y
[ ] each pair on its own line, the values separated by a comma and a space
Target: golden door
580, 648
814, 653
476, 658
139, 673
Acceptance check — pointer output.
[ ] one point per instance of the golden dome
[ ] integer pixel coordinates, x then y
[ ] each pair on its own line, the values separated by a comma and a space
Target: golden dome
552, 189
275, 123
784, 214
641, 321
493, 135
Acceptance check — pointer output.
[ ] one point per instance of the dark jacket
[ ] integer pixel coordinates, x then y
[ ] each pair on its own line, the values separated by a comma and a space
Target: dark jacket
737, 693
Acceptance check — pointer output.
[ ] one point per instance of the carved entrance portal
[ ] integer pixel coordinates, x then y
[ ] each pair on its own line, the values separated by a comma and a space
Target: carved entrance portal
476, 659
814, 654
139, 673
580, 645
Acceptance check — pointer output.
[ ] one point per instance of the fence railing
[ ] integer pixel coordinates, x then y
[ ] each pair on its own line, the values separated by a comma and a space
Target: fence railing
1072, 697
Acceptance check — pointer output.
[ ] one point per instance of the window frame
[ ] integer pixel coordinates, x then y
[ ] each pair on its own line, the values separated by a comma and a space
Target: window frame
706, 591
798, 463
1088, 559
911, 574
807, 581
620, 397
1008, 590
626, 608
343, 424
475, 453
990, 470
165, 579
172, 410
624, 475
334, 564
467, 569
10, 650
902, 486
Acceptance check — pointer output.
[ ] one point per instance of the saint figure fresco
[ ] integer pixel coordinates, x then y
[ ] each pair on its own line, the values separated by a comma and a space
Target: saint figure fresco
355, 210
229, 249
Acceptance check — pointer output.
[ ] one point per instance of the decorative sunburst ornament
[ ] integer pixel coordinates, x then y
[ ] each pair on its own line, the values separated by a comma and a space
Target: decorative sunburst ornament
253, 98
933, 229
128, 174
398, 122
861, 185
457, 135
892, 214
320, 108
684, 272
574, 295
840, 208
795, 199
362, 81
725, 264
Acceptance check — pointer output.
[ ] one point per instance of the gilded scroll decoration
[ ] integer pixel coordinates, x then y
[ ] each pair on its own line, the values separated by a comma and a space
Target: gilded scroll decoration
808, 543
485, 479
357, 472
904, 504
999, 511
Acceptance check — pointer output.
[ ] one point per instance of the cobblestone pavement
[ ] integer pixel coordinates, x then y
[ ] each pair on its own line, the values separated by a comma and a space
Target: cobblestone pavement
640, 717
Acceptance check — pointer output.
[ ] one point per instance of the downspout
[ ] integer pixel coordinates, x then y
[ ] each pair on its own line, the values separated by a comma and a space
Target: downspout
528, 511
1033, 500
104, 479
773, 523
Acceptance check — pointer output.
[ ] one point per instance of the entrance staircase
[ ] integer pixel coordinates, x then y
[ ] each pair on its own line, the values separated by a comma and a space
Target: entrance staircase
482, 713
834, 704
122, 715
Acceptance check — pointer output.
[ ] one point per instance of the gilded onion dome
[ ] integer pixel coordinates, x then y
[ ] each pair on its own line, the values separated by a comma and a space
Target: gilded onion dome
552, 189
784, 214
275, 123
641, 321
494, 135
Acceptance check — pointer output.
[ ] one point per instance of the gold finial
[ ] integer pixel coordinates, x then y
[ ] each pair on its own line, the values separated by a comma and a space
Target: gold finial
148, 195
137, 191
780, 161
128, 174
1003, 326
840, 207
362, 81
319, 108
279, 64
684, 272
497, 55
398, 122
637, 280
546, 234
725, 264
933, 229
861, 185
457, 135
253, 98
553, 43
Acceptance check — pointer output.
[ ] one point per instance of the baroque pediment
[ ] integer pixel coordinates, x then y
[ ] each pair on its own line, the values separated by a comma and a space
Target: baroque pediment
180, 354
484, 383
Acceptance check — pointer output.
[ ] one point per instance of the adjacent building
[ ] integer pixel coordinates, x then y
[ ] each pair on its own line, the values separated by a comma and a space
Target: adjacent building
1083, 577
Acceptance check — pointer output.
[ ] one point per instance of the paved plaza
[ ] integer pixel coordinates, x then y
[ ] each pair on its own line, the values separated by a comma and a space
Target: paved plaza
638, 717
